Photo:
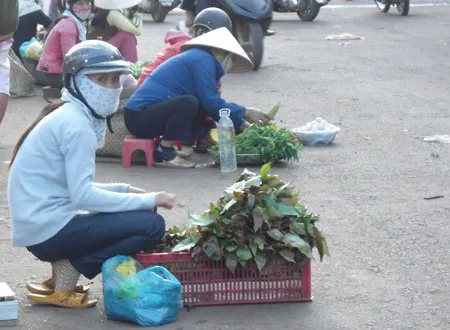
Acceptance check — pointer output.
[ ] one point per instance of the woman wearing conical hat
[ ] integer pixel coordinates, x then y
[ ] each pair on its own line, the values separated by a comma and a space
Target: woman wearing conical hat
176, 98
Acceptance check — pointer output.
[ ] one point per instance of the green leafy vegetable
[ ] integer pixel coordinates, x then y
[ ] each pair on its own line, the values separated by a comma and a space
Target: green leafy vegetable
272, 143
257, 218
136, 68
273, 112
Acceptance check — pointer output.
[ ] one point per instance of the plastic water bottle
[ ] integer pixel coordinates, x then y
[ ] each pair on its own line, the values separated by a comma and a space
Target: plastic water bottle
227, 147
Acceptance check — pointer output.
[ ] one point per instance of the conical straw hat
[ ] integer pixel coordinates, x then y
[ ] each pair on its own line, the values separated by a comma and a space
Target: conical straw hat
221, 39
116, 4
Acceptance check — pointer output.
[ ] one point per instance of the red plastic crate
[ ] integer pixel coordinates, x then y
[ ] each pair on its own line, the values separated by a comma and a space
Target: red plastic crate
209, 283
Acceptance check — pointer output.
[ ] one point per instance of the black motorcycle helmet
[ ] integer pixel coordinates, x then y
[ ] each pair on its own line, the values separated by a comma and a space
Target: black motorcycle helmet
96, 56
211, 19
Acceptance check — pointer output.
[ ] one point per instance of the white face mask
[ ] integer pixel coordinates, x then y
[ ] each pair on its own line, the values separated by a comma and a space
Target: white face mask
226, 63
82, 14
104, 101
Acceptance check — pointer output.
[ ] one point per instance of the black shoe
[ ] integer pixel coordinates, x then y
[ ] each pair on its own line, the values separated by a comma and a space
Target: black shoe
269, 33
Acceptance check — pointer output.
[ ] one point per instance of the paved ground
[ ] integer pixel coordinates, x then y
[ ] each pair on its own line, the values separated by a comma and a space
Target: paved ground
389, 265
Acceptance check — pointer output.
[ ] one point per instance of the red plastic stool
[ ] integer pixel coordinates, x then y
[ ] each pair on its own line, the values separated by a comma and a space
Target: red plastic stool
131, 144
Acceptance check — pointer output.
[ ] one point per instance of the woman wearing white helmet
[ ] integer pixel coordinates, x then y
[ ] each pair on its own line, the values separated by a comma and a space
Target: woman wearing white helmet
48, 200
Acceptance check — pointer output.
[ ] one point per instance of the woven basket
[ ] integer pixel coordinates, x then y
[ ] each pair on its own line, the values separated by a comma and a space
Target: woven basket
255, 158
21, 81
113, 142
250, 159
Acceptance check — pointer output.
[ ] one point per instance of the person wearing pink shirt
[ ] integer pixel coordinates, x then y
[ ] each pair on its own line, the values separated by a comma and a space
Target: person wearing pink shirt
175, 39
68, 31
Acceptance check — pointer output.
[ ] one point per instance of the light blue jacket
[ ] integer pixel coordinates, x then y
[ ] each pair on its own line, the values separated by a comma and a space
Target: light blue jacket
51, 179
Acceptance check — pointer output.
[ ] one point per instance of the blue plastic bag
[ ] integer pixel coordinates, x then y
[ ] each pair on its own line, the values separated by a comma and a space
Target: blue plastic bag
151, 297
24, 46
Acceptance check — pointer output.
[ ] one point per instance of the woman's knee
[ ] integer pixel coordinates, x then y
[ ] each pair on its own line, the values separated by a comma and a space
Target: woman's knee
129, 37
156, 226
191, 102
189, 105
123, 39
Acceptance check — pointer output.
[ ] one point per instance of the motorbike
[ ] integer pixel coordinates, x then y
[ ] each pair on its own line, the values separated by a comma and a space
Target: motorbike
307, 10
251, 19
385, 5
158, 8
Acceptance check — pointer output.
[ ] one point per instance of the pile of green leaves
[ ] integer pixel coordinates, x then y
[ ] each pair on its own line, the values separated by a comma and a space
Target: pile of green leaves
136, 68
171, 238
257, 218
272, 143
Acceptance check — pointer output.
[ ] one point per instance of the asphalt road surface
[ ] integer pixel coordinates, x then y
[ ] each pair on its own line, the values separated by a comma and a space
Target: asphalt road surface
389, 264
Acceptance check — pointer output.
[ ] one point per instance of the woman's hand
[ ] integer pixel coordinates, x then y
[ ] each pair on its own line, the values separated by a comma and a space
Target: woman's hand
136, 20
134, 190
244, 126
168, 201
256, 116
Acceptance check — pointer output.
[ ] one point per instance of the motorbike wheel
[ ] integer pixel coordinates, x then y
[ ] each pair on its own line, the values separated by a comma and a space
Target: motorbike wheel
159, 12
383, 5
251, 37
403, 7
309, 12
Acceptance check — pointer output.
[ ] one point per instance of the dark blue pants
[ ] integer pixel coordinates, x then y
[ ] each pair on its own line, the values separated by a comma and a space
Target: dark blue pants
89, 240
26, 29
175, 119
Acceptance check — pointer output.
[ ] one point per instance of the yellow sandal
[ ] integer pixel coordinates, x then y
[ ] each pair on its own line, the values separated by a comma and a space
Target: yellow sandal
65, 298
48, 287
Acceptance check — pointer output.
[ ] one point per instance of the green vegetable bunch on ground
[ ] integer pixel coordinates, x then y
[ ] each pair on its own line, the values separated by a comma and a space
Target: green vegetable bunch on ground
172, 237
257, 218
272, 143
136, 68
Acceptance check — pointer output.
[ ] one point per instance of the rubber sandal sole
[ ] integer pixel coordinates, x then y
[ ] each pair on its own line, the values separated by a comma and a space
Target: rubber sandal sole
64, 299
167, 165
45, 289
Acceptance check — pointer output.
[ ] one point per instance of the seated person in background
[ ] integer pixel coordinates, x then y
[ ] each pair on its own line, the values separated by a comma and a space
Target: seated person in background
69, 30
207, 20
117, 22
175, 99
30, 15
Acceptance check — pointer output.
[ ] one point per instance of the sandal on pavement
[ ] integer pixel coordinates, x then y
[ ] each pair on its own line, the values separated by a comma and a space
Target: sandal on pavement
177, 162
48, 287
64, 298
